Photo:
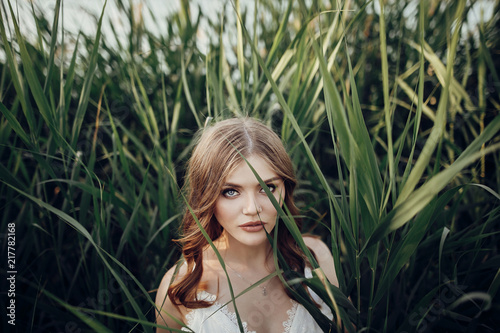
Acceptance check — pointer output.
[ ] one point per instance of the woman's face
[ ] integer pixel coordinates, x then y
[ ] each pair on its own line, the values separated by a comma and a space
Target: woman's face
243, 208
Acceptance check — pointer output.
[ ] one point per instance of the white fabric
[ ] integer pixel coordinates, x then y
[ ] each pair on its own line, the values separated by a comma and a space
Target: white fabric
219, 319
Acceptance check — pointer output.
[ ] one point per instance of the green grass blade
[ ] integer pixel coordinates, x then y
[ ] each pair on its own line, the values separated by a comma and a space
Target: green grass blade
387, 103
444, 234
80, 229
240, 56
68, 84
87, 84
486, 54
15, 75
186, 91
121, 152
419, 100
153, 131
439, 125
91, 322
495, 284
129, 319
16, 126
53, 44
132, 220
402, 253
421, 197
34, 84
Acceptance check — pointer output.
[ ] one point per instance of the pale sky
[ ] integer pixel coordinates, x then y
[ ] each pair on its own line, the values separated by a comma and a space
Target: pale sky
79, 15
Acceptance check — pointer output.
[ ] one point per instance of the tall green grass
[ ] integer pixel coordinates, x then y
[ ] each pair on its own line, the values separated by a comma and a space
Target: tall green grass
390, 112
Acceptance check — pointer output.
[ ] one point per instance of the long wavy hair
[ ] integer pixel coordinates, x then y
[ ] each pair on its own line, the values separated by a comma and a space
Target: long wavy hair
215, 156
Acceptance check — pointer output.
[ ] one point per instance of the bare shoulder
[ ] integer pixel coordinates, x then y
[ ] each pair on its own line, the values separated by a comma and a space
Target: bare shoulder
323, 256
321, 250
316, 244
168, 313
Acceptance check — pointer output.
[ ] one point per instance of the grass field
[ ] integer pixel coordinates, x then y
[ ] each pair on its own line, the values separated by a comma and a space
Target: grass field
389, 109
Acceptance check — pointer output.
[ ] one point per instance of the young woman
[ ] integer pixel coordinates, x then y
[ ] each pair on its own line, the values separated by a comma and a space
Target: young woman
238, 216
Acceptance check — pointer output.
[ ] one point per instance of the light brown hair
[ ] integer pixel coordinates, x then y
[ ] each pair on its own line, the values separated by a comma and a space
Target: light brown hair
217, 153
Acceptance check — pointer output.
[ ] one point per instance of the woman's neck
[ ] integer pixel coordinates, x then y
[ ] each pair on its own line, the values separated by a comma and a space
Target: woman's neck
244, 257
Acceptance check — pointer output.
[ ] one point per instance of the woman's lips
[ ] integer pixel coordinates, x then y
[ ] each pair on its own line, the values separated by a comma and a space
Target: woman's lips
254, 226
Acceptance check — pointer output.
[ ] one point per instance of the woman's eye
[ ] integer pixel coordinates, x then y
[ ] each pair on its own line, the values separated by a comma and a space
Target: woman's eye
272, 188
229, 193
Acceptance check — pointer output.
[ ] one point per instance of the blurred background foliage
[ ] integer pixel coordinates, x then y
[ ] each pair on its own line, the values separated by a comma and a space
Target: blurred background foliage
96, 129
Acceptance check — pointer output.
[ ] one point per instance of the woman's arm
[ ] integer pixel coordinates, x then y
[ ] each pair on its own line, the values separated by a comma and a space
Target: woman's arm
324, 258
165, 309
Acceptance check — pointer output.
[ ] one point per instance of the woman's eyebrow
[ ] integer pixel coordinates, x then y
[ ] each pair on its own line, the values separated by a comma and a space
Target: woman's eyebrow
231, 185
239, 186
271, 179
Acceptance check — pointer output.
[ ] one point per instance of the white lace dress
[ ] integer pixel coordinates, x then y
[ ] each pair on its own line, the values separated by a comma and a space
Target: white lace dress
217, 318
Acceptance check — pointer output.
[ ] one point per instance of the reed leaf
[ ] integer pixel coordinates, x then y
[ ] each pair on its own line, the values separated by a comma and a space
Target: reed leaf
84, 96
422, 196
439, 124
81, 230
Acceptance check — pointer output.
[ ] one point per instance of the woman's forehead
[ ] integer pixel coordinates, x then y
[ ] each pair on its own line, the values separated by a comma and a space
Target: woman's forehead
243, 173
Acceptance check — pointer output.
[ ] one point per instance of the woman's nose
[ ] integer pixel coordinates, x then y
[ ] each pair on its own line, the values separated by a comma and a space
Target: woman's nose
252, 206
